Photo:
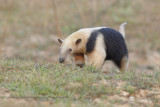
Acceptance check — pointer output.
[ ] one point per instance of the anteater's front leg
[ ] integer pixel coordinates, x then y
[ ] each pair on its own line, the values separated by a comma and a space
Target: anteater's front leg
78, 59
96, 58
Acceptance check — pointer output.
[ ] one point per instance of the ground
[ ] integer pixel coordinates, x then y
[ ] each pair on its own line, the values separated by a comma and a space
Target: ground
31, 75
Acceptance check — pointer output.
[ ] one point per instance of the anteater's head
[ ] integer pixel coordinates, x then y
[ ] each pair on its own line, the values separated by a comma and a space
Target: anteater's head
68, 46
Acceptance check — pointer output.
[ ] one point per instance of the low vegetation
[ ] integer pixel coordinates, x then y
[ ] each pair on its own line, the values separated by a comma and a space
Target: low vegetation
24, 78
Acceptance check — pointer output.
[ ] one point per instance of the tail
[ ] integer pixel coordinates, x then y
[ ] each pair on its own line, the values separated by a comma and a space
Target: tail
121, 29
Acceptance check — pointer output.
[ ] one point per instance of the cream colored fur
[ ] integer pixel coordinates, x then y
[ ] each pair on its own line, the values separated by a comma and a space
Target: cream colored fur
98, 55
121, 29
83, 34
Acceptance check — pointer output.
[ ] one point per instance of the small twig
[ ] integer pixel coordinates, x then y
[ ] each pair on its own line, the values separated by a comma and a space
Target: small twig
56, 19
8, 67
152, 94
13, 68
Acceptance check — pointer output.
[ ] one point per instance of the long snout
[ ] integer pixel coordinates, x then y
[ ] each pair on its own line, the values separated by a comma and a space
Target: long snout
61, 60
64, 52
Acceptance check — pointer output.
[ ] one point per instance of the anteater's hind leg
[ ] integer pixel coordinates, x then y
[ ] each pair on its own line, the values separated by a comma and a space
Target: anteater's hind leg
123, 64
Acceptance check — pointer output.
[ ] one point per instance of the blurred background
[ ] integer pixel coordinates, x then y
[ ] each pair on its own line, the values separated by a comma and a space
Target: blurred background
29, 28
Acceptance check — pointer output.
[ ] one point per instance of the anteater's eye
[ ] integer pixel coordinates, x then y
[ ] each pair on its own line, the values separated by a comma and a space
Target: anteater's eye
70, 50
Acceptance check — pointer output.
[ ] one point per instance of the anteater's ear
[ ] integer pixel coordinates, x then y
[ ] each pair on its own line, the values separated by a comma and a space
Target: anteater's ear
60, 41
78, 41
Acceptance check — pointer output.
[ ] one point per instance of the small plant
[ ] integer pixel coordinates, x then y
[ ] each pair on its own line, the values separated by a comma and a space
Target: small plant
156, 76
129, 89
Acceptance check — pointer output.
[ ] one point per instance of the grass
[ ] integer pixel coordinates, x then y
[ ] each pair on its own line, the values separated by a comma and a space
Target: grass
24, 78
48, 80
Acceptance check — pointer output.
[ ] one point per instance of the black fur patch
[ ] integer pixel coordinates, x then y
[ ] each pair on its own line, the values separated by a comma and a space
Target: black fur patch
115, 44
91, 42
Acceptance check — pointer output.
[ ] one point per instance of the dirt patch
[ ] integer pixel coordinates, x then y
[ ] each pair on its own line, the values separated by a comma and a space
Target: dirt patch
23, 102
4, 93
